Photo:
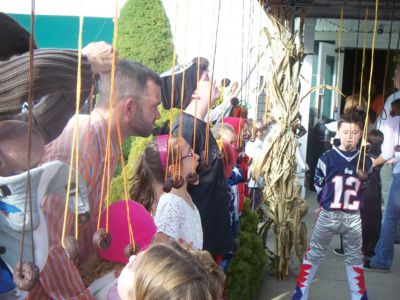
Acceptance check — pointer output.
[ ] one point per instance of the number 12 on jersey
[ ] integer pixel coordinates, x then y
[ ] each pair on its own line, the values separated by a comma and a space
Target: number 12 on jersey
350, 186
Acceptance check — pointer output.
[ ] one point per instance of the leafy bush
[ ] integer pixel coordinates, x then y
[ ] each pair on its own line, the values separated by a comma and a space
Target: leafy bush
246, 270
145, 35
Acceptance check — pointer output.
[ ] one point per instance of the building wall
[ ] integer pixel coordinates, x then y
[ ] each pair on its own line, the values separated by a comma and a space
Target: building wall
62, 31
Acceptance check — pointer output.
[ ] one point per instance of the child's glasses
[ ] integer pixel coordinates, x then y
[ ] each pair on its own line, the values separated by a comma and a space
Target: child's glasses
190, 154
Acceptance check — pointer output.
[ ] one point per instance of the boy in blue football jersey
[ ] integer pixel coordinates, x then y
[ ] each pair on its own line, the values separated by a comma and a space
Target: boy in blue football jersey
339, 195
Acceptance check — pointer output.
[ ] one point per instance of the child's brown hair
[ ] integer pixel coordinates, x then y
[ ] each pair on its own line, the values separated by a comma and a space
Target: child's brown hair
150, 169
352, 118
375, 137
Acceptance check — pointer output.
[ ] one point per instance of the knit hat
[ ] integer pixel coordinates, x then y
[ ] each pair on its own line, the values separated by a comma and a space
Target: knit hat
190, 84
54, 73
14, 39
143, 228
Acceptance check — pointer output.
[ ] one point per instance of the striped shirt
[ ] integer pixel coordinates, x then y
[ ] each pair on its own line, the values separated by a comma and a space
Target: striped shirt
60, 279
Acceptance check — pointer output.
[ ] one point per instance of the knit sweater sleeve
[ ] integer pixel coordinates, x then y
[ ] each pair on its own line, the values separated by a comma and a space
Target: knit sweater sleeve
54, 71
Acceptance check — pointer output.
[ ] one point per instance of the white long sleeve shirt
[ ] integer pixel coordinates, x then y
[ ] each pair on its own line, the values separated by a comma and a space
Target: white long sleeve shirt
390, 128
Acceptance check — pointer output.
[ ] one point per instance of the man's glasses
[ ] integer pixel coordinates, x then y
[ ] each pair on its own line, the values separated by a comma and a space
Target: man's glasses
190, 154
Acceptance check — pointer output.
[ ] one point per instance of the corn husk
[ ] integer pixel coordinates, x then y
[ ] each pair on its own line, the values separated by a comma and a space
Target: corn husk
282, 209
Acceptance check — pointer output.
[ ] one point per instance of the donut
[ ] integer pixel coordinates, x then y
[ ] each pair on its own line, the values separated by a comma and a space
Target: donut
178, 182
129, 250
192, 178
101, 239
26, 277
71, 247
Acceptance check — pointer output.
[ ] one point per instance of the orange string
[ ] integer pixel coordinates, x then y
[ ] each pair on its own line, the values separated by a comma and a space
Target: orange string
363, 57
103, 185
207, 142
171, 121
169, 150
28, 195
74, 148
179, 154
195, 118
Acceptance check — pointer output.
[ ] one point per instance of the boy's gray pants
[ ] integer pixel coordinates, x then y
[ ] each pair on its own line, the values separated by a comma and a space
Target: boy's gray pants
328, 224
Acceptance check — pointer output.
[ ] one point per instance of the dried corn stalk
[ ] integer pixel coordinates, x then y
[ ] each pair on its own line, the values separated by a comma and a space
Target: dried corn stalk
283, 209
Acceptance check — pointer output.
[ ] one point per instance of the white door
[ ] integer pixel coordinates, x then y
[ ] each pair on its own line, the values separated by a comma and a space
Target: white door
328, 103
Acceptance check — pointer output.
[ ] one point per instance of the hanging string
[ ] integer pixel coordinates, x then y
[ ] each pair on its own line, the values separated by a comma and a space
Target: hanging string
258, 68
388, 52
114, 98
206, 147
249, 42
195, 118
226, 47
170, 151
103, 183
255, 119
28, 194
179, 150
239, 140
398, 40
106, 168
338, 57
75, 146
356, 56
363, 55
365, 132
197, 87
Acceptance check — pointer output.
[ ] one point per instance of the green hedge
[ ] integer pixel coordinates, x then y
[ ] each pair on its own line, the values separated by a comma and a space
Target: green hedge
246, 270
144, 34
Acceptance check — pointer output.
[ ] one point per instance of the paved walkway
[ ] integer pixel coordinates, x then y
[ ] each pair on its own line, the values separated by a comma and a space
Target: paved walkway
330, 282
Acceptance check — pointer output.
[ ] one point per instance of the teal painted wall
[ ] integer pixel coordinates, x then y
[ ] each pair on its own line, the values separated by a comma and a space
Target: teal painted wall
62, 31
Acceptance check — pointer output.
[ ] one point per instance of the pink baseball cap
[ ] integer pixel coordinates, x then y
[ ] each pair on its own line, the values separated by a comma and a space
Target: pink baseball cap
143, 228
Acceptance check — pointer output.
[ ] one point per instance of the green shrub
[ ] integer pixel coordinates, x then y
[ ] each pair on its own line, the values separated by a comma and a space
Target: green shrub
145, 35
246, 270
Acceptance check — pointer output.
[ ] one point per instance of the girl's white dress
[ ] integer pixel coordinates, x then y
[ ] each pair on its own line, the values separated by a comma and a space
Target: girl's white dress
178, 219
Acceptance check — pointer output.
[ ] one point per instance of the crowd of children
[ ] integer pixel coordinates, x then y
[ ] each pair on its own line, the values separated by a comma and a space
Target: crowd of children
176, 235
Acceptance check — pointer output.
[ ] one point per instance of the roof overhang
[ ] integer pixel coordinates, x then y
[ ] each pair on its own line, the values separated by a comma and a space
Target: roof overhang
353, 9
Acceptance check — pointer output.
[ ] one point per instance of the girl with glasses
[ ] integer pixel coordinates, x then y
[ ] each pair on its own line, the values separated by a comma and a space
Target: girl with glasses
175, 214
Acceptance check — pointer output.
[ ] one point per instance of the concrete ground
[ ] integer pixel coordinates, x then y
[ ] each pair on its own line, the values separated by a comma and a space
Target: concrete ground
330, 282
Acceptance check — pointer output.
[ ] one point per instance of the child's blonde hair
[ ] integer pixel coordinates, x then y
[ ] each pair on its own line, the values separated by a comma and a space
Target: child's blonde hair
215, 273
167, 271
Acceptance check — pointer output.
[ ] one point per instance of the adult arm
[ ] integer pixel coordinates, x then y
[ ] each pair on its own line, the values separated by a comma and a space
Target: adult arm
390, 130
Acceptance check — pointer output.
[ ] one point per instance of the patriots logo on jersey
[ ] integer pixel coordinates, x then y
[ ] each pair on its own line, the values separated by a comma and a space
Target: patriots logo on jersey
348, 171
